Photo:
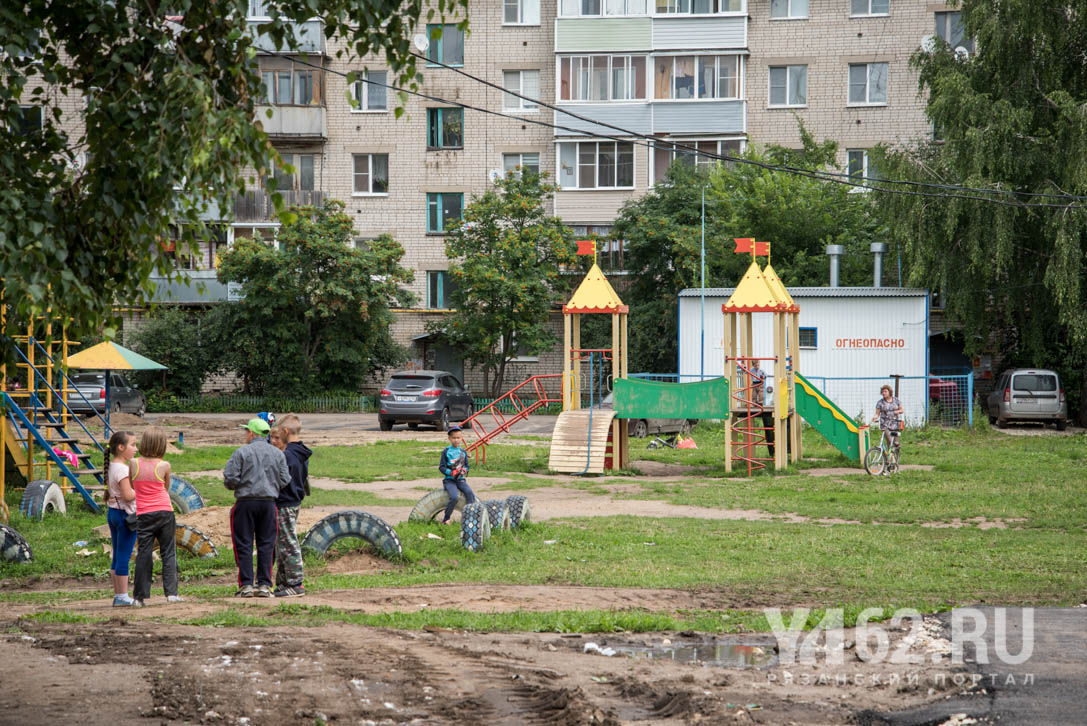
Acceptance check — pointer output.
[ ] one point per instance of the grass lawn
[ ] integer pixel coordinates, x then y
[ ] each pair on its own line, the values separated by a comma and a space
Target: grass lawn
1032, 483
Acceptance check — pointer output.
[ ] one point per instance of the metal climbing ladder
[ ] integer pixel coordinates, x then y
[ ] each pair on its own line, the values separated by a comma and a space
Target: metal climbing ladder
525, 398
748, 426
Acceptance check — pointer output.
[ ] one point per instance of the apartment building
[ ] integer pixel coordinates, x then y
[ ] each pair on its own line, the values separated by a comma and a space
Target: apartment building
637, 77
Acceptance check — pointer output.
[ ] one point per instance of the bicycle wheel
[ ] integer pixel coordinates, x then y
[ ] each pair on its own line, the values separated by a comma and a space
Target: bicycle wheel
892, 462
874, 462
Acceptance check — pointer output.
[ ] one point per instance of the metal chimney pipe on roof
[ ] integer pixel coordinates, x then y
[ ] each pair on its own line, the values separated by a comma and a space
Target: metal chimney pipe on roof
877, 249
834, 252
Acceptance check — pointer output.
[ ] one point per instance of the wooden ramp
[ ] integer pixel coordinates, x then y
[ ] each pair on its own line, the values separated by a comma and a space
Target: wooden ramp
572, 445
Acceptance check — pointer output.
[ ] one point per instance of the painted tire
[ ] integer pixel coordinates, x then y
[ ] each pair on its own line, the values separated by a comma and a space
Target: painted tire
433, 504
499, 513
519, 511
13, 548
351, 523
475, 527
40, 497
184, 496
195, 542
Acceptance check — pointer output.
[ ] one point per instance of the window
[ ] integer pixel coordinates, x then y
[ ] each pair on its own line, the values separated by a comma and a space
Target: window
526, 162
867, 83
521, 12
445, 128
302, 179
371, 174
949, 29
286, 87
596, 165
27, 122
439, 289
788, 9
686, 77
518, 353
602, 78
788, 85
446, 45
370, 93
258, 9
860, 166
443, 208
609, 252
869, 7
664, 153
526, 83
808, 337
582, 8
698, 7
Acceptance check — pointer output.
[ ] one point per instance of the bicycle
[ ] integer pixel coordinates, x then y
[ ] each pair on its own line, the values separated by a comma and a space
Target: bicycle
883, 459
671, 442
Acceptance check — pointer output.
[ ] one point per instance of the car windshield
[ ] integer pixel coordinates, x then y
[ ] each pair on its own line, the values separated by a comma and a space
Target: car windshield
1034, 382
89, 379
412, 382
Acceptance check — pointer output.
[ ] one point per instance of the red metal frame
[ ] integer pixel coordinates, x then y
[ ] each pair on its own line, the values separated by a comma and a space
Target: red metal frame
523, 406
748, 409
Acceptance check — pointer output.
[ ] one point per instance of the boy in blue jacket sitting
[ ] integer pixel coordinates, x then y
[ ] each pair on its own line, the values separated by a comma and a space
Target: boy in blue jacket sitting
454, 465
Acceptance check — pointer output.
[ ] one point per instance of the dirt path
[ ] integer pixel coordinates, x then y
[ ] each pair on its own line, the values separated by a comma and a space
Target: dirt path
125, 670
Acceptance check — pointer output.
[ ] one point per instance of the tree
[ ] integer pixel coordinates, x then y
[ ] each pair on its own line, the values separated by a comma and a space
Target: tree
798, 215
315, 312
506, 255
168, 101
1010, 117
178, 340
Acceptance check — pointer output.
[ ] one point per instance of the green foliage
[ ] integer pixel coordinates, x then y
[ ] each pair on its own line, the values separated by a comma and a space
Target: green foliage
315, 311
1011, 118
167, 103
505, 254
326, 402
797, 215
178, 340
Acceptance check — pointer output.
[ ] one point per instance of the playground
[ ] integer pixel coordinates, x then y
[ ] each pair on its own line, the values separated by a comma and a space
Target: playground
616, 583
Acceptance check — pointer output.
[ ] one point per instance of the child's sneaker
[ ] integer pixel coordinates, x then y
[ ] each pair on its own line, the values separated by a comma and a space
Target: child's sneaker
122, 601
290, 591
263, 591
137, 604
245, 591
174, 598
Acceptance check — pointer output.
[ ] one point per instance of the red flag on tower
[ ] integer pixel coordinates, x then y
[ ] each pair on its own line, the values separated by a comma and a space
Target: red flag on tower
586, 247
743, 244
762, 249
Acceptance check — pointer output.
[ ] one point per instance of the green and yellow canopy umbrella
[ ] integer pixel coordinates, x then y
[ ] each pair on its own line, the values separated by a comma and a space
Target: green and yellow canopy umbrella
109, 356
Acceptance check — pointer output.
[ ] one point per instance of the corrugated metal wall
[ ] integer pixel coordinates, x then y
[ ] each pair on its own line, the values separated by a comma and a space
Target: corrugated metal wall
715, 117
699, 33
599, 35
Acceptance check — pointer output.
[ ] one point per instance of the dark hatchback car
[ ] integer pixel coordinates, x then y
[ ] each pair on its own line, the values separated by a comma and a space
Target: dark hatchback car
89, 396
430, 397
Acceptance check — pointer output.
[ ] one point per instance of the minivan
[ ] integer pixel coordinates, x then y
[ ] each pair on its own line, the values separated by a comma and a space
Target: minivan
430, 397
1028, 394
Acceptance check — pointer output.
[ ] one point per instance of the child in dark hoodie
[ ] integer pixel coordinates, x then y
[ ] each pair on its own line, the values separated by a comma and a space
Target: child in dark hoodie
288, 551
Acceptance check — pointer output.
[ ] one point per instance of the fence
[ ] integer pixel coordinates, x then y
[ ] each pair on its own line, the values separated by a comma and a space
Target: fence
248, 403
944, 400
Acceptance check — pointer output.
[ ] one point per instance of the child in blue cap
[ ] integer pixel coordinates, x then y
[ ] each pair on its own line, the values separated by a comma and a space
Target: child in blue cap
454, 465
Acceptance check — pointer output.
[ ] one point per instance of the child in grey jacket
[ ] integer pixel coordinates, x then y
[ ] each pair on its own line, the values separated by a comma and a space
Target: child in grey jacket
256, 472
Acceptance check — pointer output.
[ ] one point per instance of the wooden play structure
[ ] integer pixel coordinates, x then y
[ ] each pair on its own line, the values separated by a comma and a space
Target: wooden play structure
590, 440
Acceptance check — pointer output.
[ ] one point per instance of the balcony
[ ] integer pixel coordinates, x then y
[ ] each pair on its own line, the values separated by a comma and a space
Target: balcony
256, 205
309, 38
202, 287
304, 124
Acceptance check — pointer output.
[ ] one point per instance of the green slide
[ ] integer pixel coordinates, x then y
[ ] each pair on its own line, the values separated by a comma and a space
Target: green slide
635, 398
828, 419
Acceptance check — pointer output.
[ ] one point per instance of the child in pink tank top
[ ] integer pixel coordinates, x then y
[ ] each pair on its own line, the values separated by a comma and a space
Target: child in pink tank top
155, 517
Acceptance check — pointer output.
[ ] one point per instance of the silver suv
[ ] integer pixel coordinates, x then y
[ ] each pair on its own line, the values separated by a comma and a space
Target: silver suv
431, 397
1028, 394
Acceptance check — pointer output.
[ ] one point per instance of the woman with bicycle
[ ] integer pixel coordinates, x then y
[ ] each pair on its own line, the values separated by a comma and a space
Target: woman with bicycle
888, 410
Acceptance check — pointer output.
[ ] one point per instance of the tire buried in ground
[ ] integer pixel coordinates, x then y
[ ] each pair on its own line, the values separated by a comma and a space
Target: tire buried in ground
519, 511
351, 523
40, 497
183, 496
475, 526
195, 542
499, 514
433, 504
13, 546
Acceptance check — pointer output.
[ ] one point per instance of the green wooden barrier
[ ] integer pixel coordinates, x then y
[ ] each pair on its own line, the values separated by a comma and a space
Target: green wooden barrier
635, 398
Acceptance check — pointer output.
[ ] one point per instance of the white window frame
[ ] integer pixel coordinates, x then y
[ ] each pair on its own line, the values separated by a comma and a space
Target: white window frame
521, 160
596, 165
522, 106
869, 13
517, 358
699, 59
363, 98
866, 170
680, 11
370, 175
647, 6
257, 5
521, 6
867, 84
788, 85
630, 78
789, 12
698, 160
